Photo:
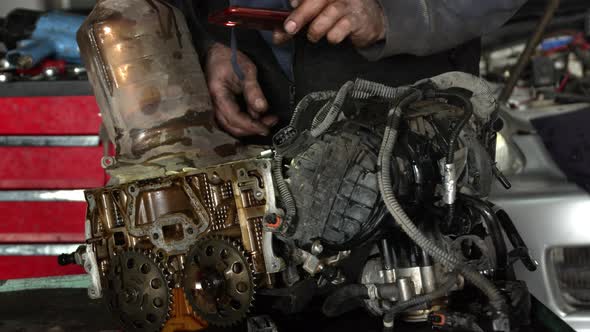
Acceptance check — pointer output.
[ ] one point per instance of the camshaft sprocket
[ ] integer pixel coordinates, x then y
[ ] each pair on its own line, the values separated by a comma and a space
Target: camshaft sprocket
138, 292
218, 281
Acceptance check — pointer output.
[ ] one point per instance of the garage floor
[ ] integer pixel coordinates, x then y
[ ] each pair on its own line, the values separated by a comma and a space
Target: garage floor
70, 310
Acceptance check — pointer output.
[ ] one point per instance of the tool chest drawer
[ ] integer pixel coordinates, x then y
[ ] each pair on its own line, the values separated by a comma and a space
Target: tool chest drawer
49, 152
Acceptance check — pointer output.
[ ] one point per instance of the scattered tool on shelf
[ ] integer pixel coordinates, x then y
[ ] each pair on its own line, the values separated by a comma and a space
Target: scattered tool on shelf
40, 46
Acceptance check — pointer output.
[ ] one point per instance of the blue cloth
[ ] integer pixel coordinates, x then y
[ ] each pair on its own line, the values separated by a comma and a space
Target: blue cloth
283, 53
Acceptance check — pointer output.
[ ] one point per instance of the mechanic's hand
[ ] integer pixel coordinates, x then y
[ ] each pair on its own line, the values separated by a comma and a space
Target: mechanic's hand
225, 86
361, 20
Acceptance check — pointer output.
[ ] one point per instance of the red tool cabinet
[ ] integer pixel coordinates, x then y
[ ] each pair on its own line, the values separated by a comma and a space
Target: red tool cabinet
49, 152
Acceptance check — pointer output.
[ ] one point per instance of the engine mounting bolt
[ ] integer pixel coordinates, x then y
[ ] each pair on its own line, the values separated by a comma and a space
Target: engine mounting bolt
317, 247
107, 162
259, 195
215, 179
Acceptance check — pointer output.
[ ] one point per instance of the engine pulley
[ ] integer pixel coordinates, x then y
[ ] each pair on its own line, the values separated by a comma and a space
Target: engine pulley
218, 281
138, 293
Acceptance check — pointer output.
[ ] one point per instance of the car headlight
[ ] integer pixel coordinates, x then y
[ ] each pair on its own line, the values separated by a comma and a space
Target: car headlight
572, 275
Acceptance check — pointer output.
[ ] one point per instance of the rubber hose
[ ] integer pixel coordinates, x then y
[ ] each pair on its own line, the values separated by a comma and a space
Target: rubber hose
344, 299
450, 214
333, 111
389, 316
284, 192
483, 97
402, 219
493, 226
347, 298
453, 138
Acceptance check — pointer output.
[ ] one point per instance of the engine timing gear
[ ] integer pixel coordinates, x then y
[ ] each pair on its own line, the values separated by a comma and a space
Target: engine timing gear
138, 292
218, 281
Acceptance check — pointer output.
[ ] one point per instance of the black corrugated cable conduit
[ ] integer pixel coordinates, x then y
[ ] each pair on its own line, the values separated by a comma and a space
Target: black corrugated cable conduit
359, 89
285, 194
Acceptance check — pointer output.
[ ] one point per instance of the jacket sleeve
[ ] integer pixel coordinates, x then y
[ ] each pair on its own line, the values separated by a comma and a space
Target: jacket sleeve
196, 18
424, 27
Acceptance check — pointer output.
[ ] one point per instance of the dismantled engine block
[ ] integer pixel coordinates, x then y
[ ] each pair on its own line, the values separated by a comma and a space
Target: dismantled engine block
154, 229
372, 197
316, 207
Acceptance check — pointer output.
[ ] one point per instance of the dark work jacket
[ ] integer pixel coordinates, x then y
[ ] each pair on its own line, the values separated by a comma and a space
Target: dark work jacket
323, 66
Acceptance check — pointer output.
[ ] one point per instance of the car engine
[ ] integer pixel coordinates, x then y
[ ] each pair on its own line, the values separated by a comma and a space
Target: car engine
372, 197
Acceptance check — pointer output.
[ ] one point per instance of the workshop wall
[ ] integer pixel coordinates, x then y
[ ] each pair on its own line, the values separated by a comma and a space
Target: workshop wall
7, 6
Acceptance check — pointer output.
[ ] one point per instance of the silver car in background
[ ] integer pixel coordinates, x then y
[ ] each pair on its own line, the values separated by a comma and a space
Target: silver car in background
551, 212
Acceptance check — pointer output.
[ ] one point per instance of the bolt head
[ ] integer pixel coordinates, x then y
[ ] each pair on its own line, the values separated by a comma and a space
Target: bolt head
317, 248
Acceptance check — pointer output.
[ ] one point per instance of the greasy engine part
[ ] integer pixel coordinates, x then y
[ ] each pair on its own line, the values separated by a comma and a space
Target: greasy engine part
138, 294
441, 152
150, 89
182, 316
190, 210
170, 215
219, 281
339, 172
342, 162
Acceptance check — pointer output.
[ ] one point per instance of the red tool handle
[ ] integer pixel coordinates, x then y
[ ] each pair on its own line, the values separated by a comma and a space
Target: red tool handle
250, 18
